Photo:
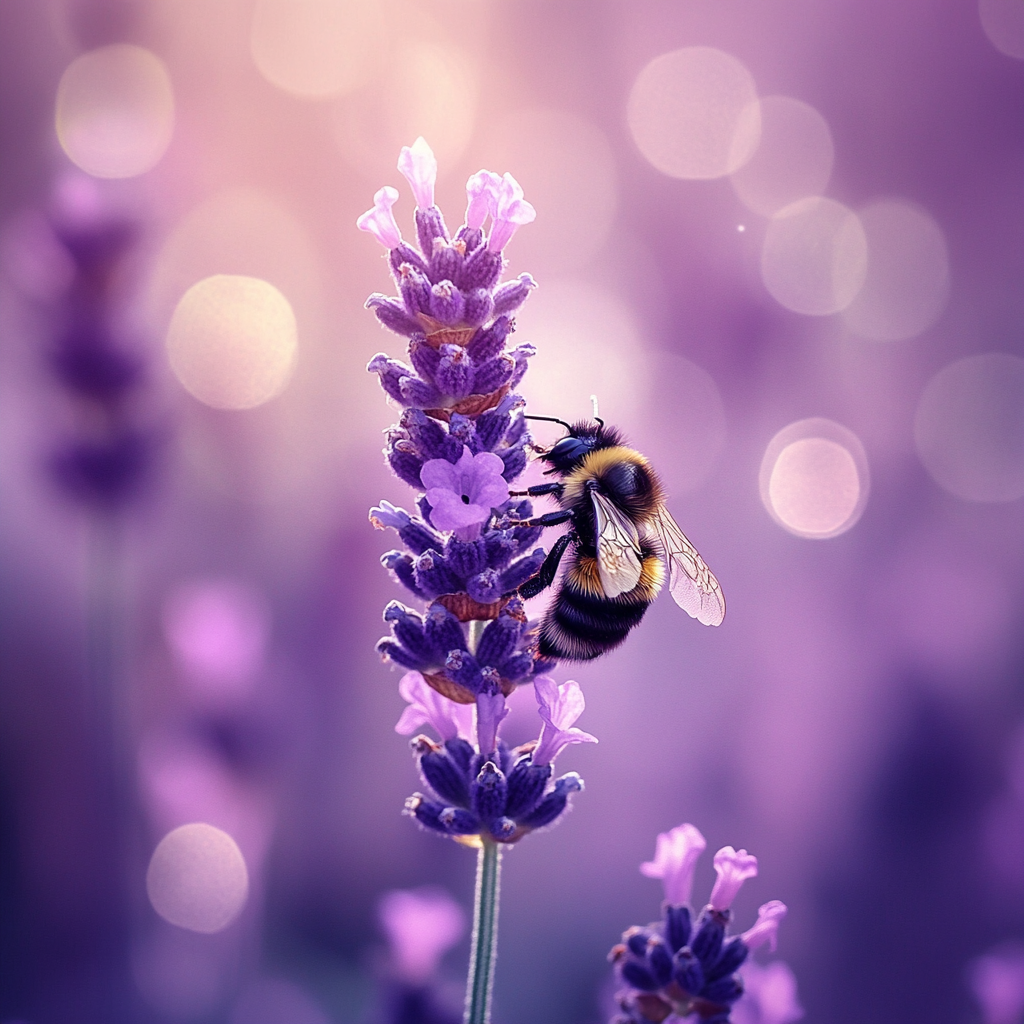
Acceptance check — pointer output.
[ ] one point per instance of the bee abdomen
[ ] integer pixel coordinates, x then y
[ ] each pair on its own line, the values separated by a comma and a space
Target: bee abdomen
583, 624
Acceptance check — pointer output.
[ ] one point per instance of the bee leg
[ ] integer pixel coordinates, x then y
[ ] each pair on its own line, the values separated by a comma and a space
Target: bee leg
546, 574
535, 492
548, 519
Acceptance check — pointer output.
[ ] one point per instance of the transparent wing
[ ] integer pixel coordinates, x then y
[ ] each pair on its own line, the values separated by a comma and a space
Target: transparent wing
692, 584
618, 548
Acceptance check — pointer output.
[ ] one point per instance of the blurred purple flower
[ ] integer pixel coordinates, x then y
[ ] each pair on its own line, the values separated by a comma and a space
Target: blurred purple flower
997, 980
560, 706
769, 995
675, 859
681, 966
380, 221
419, 167
462, 496
421, 926
427, 707
769, 917
734, 867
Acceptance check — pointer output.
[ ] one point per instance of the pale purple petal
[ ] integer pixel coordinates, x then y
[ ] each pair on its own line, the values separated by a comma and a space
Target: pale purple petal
769, 995
482, 195
439, 473
462, 496
386, 514
559, 707
419, 165
450, 512
380, 221
734, 867
675, 859
512, 212
490, 713
421, 925
427, 707
769, 917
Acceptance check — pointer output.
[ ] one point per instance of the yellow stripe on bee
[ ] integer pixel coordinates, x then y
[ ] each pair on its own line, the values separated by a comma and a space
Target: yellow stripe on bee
584, 577
594, 464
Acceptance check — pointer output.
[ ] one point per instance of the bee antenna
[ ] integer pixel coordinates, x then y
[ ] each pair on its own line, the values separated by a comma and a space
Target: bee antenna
600, 422
550, 419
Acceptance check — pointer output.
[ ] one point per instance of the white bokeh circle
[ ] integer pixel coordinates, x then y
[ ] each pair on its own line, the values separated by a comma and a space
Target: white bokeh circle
814, 479
693, 113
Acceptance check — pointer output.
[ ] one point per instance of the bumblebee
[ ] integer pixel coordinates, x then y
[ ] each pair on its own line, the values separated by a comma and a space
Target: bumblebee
622, 538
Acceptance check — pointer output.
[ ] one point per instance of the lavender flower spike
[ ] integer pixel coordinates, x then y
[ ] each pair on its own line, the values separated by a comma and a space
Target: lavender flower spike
482, 195
427, 707
560, 706
675, 859
734, 867
419, 166
461, 496
512, 211
769, 917
380, 221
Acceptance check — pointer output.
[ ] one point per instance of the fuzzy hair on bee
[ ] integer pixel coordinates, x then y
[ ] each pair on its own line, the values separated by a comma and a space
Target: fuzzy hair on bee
622, 537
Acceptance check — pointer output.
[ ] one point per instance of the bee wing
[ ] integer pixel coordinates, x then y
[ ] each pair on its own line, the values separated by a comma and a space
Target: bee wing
692, 584
618, 548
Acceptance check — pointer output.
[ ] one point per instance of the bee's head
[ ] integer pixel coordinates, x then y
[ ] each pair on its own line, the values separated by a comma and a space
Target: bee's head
583, 438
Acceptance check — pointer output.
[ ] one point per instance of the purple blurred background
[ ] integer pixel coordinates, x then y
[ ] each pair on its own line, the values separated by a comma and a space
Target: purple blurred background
858, 720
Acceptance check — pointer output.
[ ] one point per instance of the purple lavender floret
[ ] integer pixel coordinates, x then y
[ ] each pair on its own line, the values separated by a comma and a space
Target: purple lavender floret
501, 795
450, 303
504, 796
435, 645
681, 966
496, 563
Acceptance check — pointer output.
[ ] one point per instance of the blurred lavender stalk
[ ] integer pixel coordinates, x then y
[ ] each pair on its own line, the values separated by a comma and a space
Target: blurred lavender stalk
421, 926
104, 462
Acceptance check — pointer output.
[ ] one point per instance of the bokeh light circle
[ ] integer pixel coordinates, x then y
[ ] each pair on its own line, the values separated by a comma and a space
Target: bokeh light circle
907, 281
1003, 22
115, 111
969, 427
694, 113
793, 160
197, 878
565, 165
815, 256
232, 341
814, 478
313, 48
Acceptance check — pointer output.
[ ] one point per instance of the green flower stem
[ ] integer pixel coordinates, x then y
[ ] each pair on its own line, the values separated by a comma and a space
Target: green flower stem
476, 629
484, 948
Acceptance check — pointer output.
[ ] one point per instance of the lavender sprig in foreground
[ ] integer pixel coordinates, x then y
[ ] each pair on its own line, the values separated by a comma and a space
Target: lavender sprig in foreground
681, 967
461, 440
